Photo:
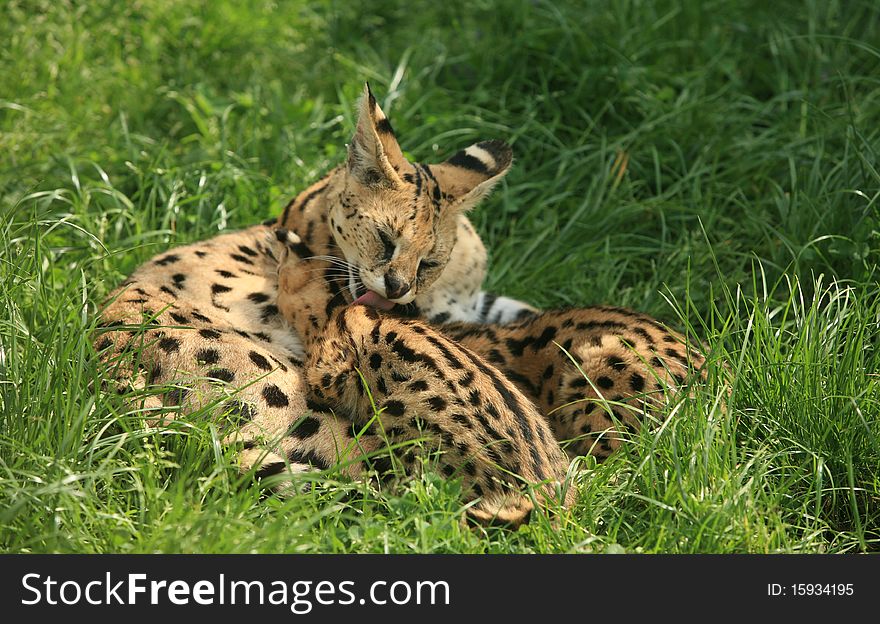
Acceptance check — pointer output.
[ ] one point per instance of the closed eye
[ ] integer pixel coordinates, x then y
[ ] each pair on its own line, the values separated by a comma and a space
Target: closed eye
427, 265
388, 244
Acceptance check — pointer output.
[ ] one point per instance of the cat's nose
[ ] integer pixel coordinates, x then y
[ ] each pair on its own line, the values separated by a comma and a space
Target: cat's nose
395, 288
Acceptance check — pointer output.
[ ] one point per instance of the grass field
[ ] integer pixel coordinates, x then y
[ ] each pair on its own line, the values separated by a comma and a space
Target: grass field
712, 163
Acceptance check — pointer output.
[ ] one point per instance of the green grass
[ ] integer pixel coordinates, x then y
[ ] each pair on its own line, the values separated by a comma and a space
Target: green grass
712, 163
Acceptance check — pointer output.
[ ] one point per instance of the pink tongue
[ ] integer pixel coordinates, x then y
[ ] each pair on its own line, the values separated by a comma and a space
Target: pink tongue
374, 300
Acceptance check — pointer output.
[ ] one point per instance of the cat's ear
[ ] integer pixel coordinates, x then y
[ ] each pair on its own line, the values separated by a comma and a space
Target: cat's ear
374, 156
470, 174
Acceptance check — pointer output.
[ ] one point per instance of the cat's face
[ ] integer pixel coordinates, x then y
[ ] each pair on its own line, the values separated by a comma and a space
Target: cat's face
396, 221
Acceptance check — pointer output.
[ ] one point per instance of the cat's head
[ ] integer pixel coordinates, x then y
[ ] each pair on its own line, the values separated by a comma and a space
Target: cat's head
396, 221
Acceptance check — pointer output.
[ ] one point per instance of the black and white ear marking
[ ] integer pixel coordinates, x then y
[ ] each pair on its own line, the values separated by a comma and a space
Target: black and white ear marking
470, 174
374, 156
293, 244
487, 158
288, 237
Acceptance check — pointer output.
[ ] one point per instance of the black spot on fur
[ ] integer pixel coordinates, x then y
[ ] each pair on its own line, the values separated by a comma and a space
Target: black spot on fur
641, 331
462, 420
437, 403
268, 312
261, 362
516, 346
418, 386
169, 345
637, 382
240, 258
605, 382
317, 406
270, 470
208, 356
274, 397
394, 408
306, 428
166, 260
217, 289
225, 274
409, 355
221, 374
210, 334
544, 339
440, 318
492, 411
308, 457
453, 361
375, 361
496, 357
616, 363
201, 317
258, 297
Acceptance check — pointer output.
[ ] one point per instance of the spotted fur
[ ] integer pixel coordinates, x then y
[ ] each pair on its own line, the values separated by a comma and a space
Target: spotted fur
595, 373
205, 321
209, 325
423, 386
